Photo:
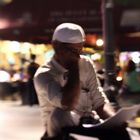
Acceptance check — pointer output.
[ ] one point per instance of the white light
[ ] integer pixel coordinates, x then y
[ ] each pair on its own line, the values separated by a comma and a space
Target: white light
72, 113
15, 46
25, 47
5, 76
135, 57
96, 56
99, 42
16, 77
87, 125
119, 78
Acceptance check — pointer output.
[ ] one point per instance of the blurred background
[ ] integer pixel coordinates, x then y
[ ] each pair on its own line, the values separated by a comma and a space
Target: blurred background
112, 30
111, 26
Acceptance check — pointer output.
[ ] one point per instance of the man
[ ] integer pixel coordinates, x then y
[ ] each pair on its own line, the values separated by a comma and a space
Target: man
68, 82
31, 69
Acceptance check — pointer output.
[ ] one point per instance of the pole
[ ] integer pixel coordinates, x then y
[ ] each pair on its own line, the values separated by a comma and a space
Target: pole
110, 76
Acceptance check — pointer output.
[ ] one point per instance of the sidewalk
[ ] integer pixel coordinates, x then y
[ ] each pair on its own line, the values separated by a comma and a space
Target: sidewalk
19, 122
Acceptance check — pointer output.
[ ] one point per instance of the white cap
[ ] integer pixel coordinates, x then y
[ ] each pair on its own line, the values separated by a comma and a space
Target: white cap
69, 33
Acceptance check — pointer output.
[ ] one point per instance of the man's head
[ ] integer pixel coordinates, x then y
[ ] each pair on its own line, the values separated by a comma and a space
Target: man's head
69, 33
68, 38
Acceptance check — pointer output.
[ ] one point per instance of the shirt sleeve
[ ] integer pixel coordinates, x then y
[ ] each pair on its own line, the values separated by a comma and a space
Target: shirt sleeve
48, 88
98, 97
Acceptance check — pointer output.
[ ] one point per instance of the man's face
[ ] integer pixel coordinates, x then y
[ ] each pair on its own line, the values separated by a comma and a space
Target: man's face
73, 50
67, 53
71, 55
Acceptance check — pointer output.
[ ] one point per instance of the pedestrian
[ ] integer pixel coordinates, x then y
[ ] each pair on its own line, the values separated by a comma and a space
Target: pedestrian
68, 82
32, 98
132, 78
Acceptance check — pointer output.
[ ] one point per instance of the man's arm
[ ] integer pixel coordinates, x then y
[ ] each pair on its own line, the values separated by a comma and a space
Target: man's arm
105, 111
71, 91
100, 101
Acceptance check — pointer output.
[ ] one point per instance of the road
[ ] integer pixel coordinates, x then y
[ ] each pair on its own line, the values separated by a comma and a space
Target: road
19, 122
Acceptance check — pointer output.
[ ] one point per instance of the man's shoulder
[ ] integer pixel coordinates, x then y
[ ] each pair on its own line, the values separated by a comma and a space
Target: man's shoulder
44, 68
85, 59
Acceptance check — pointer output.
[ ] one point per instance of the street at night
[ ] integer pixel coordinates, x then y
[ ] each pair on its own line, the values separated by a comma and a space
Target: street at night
19, 122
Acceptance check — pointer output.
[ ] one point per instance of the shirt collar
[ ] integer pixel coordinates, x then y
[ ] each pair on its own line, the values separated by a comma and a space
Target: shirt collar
59, 67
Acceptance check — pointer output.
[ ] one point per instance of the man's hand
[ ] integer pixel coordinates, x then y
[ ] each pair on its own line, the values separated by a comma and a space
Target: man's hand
105, 111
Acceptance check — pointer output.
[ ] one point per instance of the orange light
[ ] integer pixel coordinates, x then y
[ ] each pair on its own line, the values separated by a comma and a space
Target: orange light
91, 39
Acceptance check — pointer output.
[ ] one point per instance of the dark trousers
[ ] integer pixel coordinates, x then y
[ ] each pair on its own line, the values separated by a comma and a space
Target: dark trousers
118, 133
32, 95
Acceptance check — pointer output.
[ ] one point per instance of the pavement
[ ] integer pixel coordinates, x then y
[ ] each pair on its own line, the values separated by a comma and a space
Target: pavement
23, 122
19, 122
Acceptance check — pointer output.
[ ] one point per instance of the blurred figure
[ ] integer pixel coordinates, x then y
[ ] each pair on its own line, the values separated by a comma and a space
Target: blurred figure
31, 69
131, 80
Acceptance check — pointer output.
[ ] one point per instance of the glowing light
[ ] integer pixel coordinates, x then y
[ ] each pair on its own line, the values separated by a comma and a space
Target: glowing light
5, 76
4, 23
124, 56
72, 112
87, 125
15, 46
25, 47
119, 78
135, 57
6, 1
99, 42
91, 39
96, 56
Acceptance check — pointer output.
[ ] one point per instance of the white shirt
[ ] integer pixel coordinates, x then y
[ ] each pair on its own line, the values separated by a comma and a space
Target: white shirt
49, 79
